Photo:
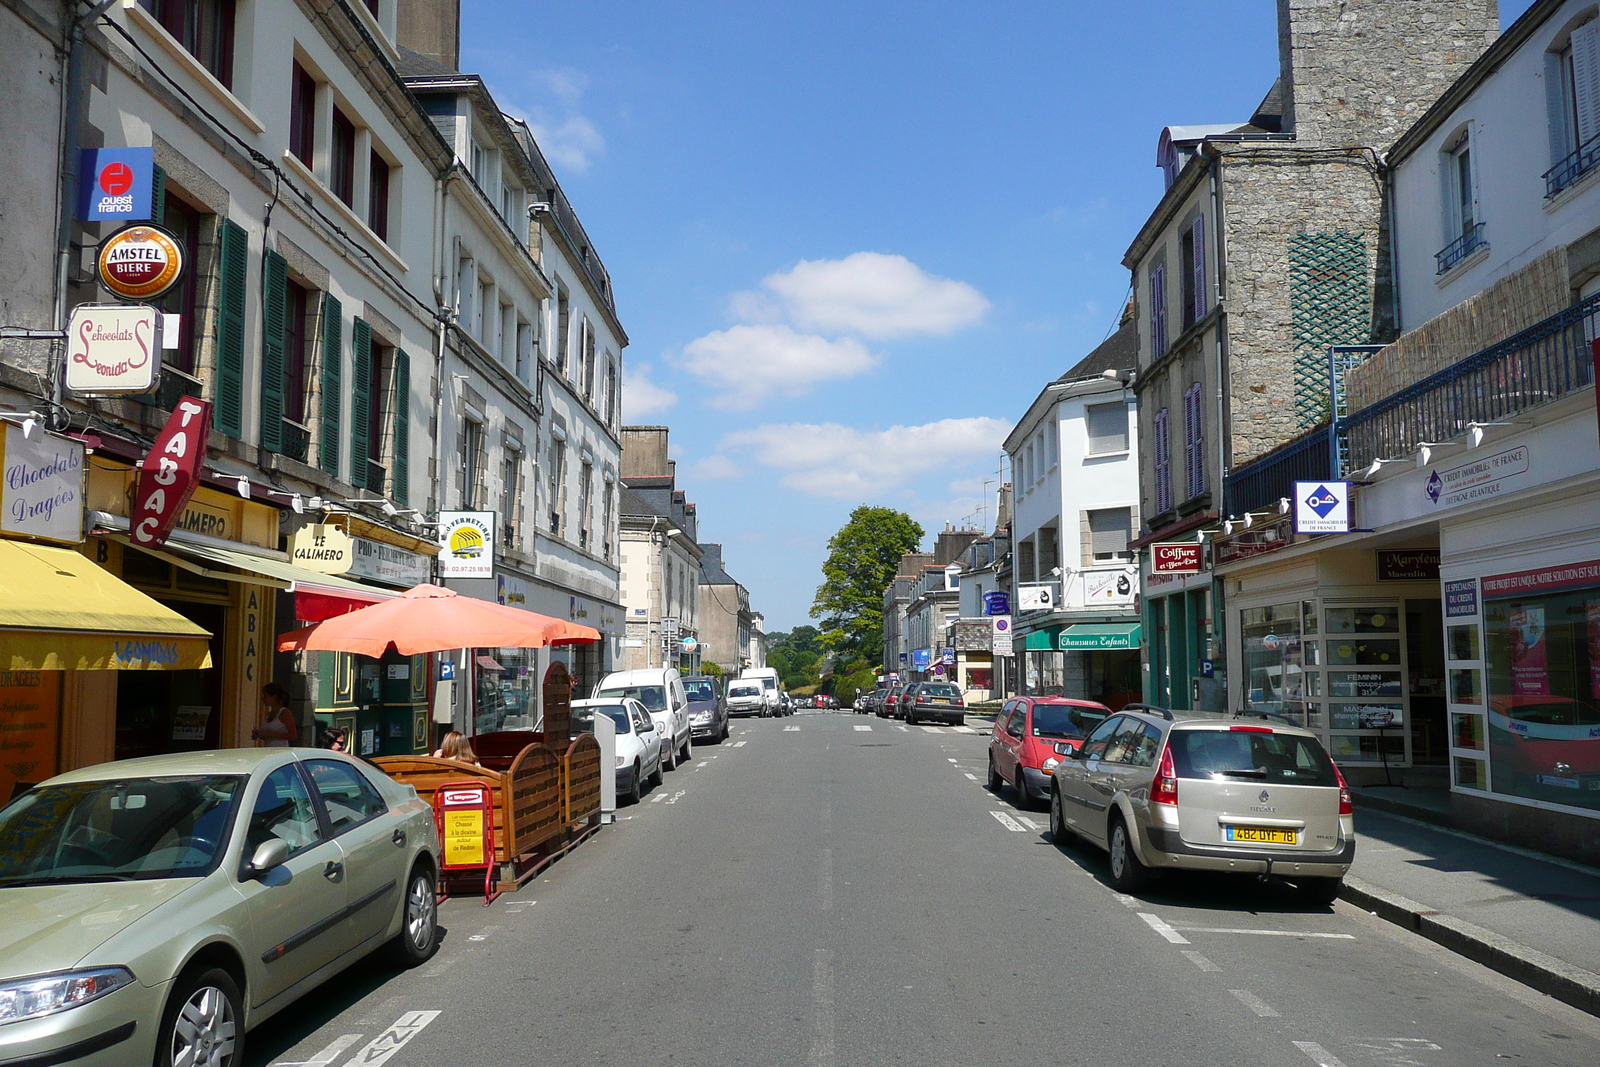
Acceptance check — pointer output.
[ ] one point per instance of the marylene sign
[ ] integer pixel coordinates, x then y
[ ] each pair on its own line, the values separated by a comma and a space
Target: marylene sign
1181, 557
169, 474
113, 350
140, 262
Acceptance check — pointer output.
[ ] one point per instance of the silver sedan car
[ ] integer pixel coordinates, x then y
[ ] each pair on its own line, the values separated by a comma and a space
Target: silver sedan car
156, 909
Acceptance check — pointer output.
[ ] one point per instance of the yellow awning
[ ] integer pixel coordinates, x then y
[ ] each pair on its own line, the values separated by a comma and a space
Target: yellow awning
61, 611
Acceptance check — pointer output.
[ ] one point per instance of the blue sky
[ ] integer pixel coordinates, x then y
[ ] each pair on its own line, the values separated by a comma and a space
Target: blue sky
849, 241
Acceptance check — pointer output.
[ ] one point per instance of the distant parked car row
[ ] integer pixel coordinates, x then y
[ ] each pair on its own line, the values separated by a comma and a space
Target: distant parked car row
918, 702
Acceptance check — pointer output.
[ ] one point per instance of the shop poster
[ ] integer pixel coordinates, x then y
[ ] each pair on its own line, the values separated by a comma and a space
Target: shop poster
29, 712
1530, 671
1592, 609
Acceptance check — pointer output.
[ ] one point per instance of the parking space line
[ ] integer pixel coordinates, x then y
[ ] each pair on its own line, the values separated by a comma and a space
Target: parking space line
383, 1047
326, 1056
658, 798
1030, 824
791, 729
1123, 898
739, 744
1254, 1003
1323, 1057
1263, 933
1156, 923
932, 729
1199, 960
1008, 822
863, 727
969, 774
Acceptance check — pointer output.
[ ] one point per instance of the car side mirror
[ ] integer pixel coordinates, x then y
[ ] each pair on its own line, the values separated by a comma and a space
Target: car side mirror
269, 855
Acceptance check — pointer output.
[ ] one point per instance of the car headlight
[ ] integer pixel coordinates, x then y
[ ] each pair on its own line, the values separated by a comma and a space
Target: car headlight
1051, 764
622, 761
29, 998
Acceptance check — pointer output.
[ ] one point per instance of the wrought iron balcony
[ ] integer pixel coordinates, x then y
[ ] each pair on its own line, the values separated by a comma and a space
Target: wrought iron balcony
1264, 481
1542, 363
1570, 169
295, 441
1461, 248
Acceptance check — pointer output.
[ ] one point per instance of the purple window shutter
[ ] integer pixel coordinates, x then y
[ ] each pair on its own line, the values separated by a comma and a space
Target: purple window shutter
1199, 268
1163, 464
1158, 310
1193, 442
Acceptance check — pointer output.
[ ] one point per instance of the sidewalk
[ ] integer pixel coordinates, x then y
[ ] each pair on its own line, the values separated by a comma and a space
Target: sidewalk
1532, 917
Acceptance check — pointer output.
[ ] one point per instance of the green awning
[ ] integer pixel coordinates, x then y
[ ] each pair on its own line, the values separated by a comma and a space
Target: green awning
1042, 640
1099, 635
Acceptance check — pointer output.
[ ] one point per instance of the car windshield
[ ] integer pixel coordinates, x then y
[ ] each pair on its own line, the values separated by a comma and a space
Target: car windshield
1064, 720
118, 830
1252, 755
946, 692
583, 718
653, 697
745, 691
700, 690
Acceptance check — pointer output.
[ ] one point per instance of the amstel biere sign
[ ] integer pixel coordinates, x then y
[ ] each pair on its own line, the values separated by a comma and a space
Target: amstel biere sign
140, 262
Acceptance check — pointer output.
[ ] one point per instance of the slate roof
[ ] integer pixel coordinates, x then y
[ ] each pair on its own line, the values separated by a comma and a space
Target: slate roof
1120, 351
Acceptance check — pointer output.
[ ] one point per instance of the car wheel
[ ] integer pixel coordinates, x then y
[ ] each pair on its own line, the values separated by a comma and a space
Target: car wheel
418, 938
911, 717
687, 751
1321, 890
994, 783
1127, 874
1024, 801
961, 720
203, 1023
724, 732
636, 789
1058, 821
667, 762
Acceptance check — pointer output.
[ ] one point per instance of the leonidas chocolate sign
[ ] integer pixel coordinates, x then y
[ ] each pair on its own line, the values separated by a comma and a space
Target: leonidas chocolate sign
113, 350
1175, 558
169, 474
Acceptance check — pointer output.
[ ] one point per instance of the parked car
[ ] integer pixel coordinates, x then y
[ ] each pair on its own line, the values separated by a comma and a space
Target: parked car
902, 704
660, 690
1206, 792
158, 909
1032, 735
935, 700
640, 750
746, 698
708, 715
771, 686
891, 702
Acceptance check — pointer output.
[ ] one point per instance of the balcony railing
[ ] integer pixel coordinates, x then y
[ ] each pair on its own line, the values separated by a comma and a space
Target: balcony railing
1264, 481
1570, 169
295, 441
1542, 363
1461, 248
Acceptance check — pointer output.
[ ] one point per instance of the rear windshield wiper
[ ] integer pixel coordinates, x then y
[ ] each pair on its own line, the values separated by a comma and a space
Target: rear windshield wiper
1246, 772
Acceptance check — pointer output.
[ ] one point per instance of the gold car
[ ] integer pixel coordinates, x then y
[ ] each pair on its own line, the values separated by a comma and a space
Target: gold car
156, 909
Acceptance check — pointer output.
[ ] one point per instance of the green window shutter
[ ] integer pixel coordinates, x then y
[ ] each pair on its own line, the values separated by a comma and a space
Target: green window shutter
274, 309
360, 400
229, 391
332, 378
402, 429
158, 196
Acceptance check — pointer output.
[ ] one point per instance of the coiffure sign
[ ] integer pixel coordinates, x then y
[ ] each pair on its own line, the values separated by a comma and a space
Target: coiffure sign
1182, 557
169, 474
41, 496
113, 350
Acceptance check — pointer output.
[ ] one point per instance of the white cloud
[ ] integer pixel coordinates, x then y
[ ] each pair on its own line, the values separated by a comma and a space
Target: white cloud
642, 397
839, 461
868, 293
716, 468
749, 364
573, 142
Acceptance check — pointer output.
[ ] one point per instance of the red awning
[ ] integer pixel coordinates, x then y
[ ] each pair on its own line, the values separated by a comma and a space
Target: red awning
319, 605
488, 664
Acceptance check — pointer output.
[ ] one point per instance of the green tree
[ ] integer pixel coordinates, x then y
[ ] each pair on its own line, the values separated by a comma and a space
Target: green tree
862, 559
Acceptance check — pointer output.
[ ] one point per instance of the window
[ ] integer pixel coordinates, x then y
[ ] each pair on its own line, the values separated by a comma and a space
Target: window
204, 28
1463, 201
585, 505
348, 797
378, 197
558, 484
1107, 426
303, 115
480, 166
1572, 97
588, 361
507, 346
1158, 310
184, 222
297, 307
342, 158
1110, 530
605, 530
282, 812
1192, 258
524, 350
511, 493
509, 200
1194, 461
611, 390
466, 291
563, 327
1163, 464
483, 319
471, 458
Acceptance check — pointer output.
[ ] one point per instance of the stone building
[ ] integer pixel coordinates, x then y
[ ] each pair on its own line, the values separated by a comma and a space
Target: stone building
1269, 244
660, 557
727, 624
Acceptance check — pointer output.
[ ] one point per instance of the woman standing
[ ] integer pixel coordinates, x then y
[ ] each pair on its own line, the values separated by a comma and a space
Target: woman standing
278, 729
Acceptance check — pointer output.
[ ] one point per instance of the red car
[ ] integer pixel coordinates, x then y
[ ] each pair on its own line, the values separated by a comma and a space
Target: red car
1546, 747
1032, 735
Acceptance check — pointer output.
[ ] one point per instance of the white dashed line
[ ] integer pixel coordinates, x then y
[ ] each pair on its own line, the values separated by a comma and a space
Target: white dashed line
1323, 1057
739, 744
1159, 925
1030, 823
791, 729
952, 759
897, 726
932, 729
1263, 933
969, 774
1254, 1003
326, 1056
1008, 822
863, 728
1124, 899
1200, 961
381, 1048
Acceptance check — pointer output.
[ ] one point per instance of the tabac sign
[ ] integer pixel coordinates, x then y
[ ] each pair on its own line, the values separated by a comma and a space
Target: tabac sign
169, 474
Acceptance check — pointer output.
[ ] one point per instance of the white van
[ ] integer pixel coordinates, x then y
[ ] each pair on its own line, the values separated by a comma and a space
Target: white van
772, 695
746, 697
660, 690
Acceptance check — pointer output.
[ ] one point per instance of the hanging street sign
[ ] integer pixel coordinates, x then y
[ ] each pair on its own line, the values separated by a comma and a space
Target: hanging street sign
114, 184
997, 602
140, 262
466, 544
170, 472
1321, 507
322, 547
113, 350
1041, 597
41, 495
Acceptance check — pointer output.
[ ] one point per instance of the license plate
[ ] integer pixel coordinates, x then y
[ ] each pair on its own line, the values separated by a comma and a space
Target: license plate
1261, 835
940, 700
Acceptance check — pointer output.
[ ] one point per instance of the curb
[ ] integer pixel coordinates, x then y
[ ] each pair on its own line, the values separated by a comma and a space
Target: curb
1556, 978
1400, 807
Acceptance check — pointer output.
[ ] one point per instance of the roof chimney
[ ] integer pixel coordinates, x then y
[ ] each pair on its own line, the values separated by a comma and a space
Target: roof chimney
431, 28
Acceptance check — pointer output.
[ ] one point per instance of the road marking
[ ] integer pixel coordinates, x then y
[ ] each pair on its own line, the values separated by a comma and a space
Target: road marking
438, 969
658, 798
1030, 824
1254, 1003
326, 1056
897, 726
739, 744
969, 774
825, 880
791, 729
1125, 899
822, 1054
1008, 822
963, 729
1323, 1057
1200, 961
1157, 924
1264, 933
673, 799
931, 729
385, 1045
952, 759
863, 728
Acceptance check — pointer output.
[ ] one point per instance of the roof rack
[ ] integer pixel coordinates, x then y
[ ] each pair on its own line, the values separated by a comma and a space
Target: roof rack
1149, 709
1288, 720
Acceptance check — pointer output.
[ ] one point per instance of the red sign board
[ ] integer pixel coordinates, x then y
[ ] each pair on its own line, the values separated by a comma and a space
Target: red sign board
1544, 579
464, 814
1175, 558
169, 474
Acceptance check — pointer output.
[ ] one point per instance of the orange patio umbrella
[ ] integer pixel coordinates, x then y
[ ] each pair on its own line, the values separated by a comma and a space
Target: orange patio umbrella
431, 618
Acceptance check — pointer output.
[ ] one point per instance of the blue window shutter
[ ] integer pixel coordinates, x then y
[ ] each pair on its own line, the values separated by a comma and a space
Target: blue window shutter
229, 392
360, 400
274, 311
332, 383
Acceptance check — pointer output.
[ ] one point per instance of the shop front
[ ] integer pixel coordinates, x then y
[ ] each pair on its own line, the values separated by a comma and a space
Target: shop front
1183, 666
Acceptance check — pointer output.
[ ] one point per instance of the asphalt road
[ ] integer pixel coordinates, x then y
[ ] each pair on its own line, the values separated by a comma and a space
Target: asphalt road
833, 890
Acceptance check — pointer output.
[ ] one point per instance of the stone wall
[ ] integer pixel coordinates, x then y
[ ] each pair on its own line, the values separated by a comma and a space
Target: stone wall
1509, 306
1360, 72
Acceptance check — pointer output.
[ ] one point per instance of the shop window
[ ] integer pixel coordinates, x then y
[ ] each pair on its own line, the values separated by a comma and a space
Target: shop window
342, 158
1470, 774
303, 115
1464, 642
204, 28
1466, 686
1367, 748
1466, 731
1272, 657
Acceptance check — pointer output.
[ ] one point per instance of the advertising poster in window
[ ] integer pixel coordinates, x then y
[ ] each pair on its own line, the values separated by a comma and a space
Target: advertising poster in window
1530, 672
1592, 611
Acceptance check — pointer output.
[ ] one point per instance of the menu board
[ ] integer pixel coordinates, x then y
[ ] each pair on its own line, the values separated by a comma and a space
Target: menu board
30, 712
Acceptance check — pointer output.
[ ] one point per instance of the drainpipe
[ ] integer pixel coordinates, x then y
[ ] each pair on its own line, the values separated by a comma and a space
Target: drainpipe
1218, 630
68, 193
1394, 250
